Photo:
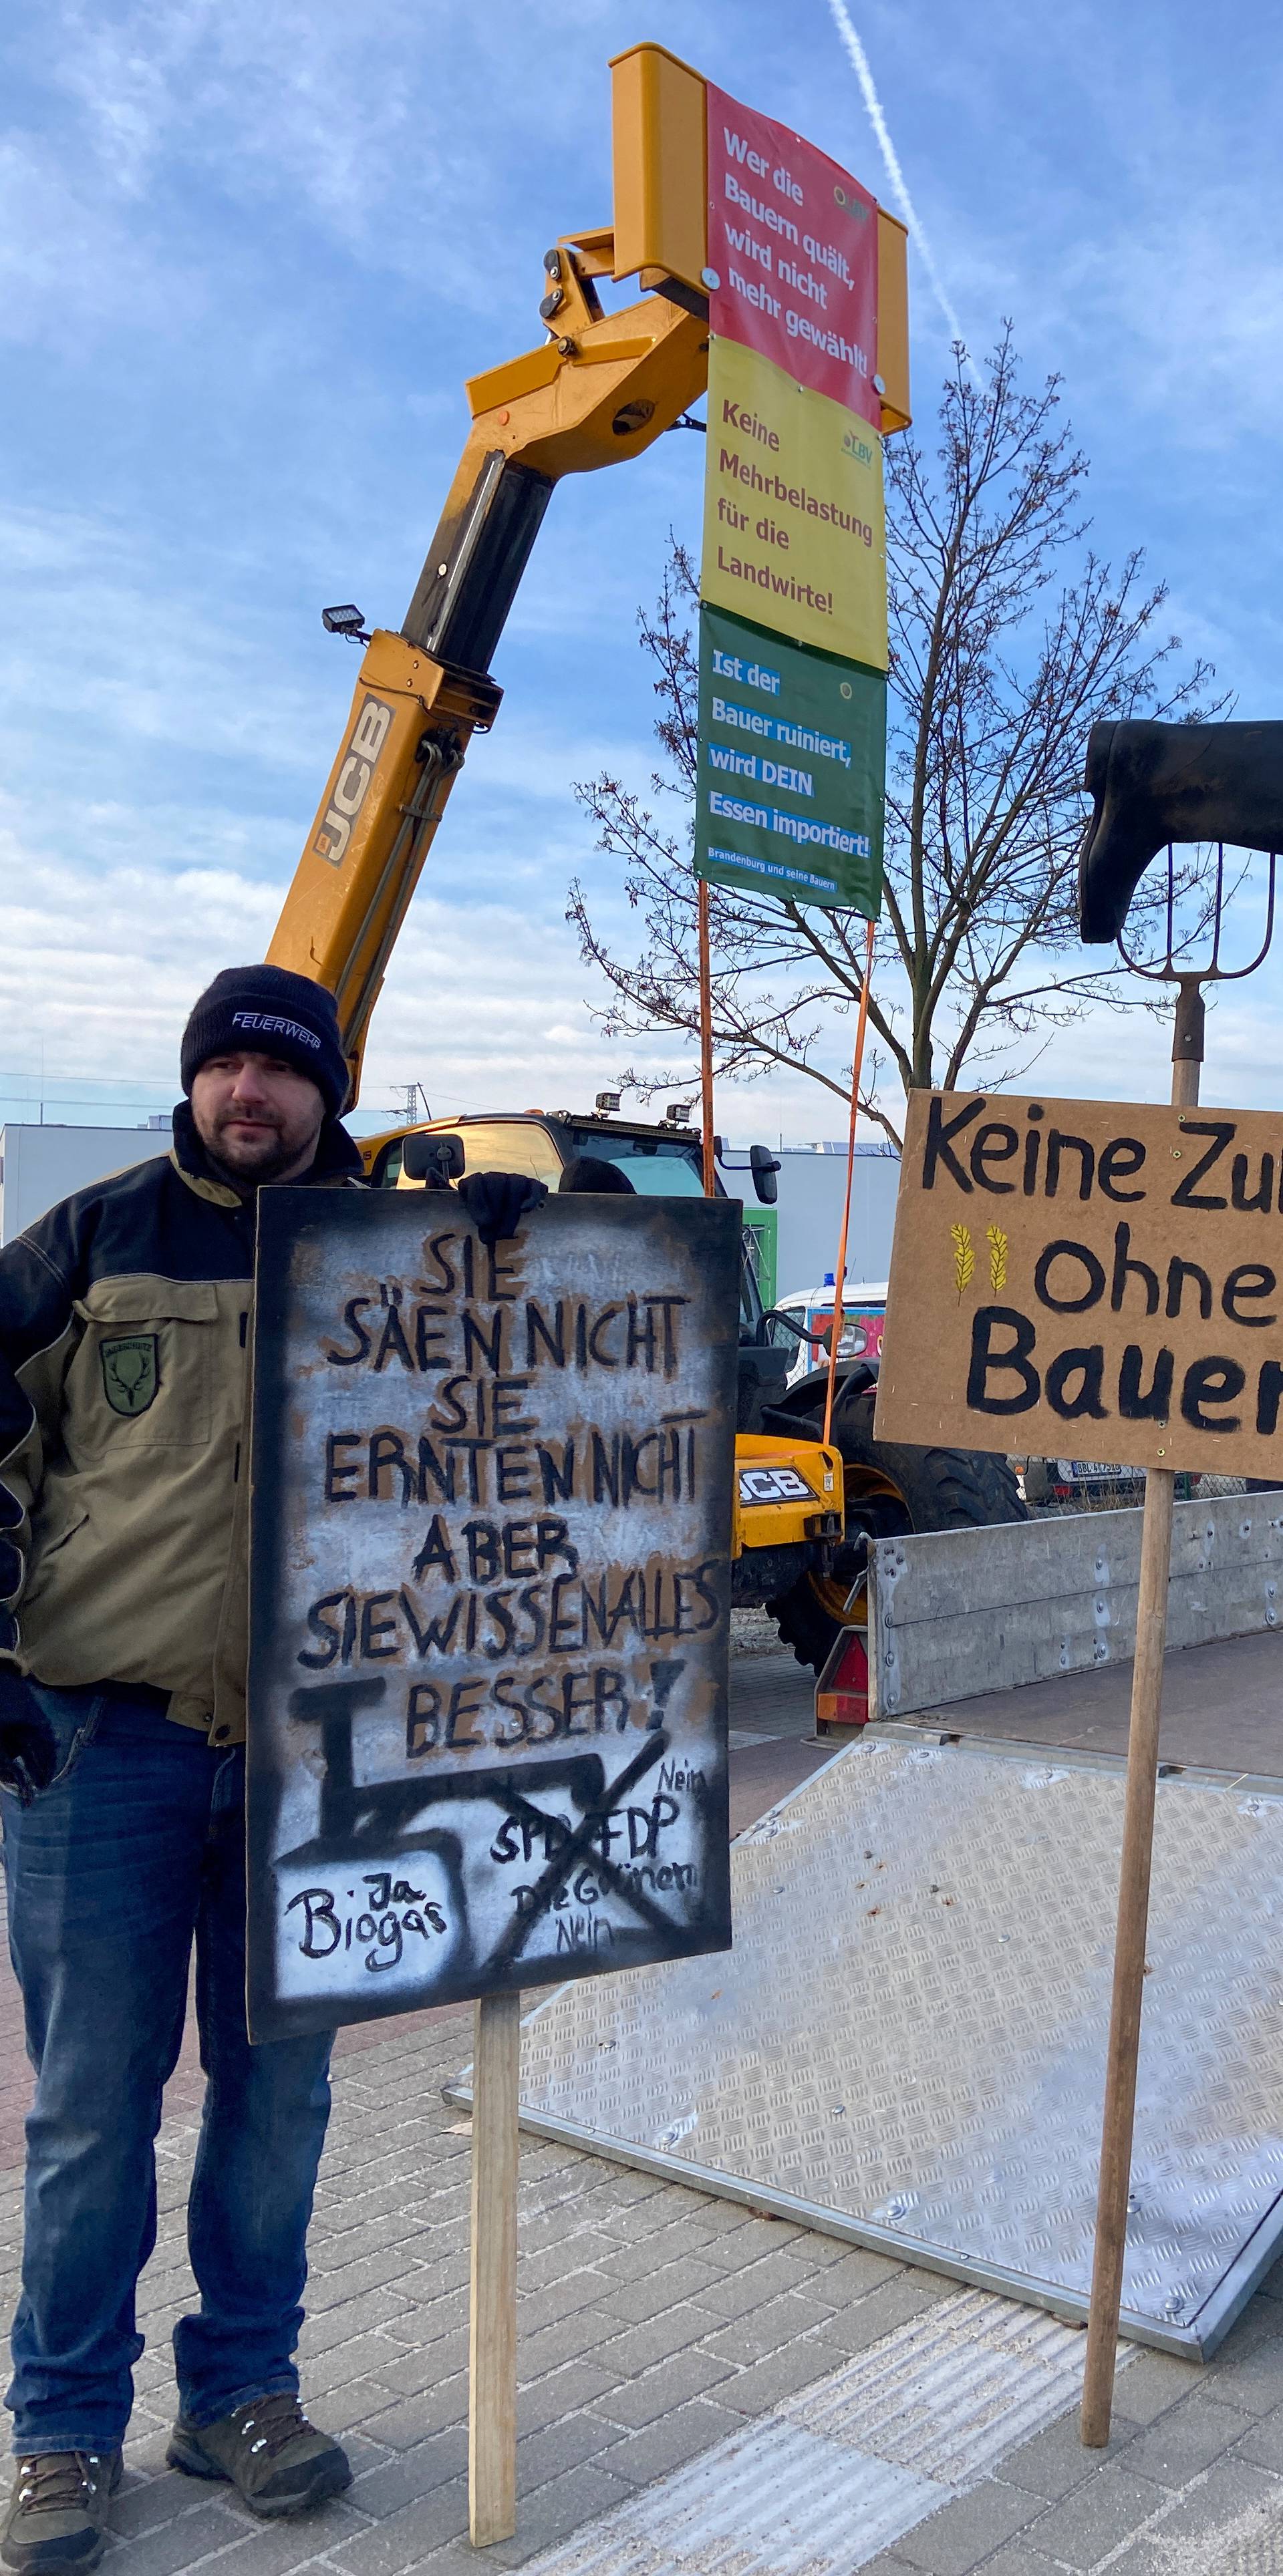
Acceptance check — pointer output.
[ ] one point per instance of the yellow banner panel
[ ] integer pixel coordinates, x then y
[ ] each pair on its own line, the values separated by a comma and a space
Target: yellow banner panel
794, 524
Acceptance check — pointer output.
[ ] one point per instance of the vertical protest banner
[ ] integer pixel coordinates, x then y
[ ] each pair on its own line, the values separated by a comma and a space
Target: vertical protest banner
790, 777
792, 754
792, 640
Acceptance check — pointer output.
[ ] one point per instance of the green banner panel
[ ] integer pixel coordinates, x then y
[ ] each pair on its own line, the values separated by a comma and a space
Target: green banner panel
792, 768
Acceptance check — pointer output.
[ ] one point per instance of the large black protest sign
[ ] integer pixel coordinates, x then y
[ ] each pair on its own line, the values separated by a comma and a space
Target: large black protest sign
489, 1597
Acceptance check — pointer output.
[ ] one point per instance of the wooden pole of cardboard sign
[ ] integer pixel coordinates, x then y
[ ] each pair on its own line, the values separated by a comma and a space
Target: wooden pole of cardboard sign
706, 1044
839, 1275
492, 2355
1114, 2190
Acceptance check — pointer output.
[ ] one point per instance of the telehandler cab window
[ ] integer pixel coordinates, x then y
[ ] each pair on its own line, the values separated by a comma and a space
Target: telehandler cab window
489, 1145
671, 1167
661, 1167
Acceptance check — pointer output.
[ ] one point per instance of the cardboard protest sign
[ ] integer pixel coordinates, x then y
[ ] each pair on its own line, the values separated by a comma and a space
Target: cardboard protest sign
1088, 1279
491, 1518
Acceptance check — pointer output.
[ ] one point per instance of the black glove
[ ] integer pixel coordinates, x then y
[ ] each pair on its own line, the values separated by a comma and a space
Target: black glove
497, 1202
28, 1753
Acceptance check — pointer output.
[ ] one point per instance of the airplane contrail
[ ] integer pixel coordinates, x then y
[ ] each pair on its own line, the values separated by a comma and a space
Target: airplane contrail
860, 66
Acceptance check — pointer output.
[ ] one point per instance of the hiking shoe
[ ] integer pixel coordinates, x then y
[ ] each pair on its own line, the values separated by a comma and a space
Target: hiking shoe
58, 2511
277, 2461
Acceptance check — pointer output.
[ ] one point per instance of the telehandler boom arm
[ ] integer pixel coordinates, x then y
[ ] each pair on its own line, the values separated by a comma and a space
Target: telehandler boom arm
603, 387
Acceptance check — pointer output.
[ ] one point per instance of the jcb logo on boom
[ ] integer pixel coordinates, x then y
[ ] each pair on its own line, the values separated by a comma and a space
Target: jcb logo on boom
351, 787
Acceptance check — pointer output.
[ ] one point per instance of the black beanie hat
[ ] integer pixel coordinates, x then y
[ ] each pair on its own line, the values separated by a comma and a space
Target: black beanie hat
264, 1010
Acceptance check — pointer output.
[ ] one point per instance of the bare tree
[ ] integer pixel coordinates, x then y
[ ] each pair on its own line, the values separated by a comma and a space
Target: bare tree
1009, 639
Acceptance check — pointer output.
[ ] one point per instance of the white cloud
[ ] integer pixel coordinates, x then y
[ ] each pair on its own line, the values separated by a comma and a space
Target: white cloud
249, 255
396, 135
67, 262
485, 1006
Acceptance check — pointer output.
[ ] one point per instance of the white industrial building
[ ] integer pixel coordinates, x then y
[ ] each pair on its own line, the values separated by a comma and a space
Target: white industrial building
40, 1165
811, 1182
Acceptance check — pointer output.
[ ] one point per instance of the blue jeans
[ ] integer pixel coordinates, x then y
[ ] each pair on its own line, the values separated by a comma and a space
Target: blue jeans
137, 1846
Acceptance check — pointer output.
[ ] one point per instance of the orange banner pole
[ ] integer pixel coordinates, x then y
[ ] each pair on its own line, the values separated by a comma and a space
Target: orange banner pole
706, 1043
839, 1274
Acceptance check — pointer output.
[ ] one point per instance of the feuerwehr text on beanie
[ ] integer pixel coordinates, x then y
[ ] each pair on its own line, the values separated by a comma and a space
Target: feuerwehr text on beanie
265, 1010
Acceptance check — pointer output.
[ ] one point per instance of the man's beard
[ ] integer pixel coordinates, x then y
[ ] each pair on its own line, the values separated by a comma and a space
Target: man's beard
251, 1164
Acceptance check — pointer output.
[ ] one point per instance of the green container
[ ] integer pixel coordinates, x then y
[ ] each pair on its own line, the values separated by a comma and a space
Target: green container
761, 1224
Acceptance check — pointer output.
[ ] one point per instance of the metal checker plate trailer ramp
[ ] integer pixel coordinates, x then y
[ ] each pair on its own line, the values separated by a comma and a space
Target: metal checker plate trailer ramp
906, 2045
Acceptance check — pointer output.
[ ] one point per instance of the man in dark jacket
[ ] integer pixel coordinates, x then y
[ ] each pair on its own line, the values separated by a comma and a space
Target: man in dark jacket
124, 1320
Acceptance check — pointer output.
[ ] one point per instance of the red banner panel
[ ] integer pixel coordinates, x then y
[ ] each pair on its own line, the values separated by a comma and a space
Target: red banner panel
793, 245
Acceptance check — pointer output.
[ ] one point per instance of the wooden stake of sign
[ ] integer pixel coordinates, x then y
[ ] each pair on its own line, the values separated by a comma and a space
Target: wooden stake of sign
706, 1044
1114, 2189
492, 2354
839, 1275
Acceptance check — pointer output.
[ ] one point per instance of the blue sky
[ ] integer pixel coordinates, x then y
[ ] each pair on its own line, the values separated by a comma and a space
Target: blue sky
249, 254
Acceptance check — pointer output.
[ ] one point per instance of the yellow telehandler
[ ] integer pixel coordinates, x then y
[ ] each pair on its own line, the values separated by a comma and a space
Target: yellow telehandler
601, 388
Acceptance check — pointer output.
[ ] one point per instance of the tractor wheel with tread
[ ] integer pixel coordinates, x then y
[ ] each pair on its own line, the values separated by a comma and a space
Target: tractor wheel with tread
891, 1489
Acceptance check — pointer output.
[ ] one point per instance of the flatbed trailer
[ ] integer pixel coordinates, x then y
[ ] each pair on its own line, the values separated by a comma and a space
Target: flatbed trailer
905, 2047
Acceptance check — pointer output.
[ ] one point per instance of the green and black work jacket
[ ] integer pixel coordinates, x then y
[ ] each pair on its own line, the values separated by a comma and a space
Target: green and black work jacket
124, 1330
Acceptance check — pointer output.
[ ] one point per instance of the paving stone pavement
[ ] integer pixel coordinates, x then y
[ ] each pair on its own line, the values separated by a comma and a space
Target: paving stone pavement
653, 2322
